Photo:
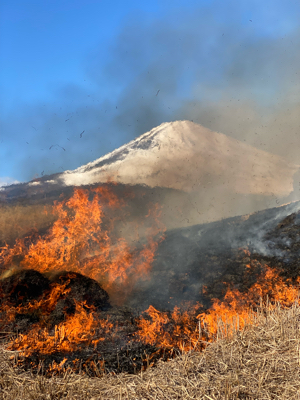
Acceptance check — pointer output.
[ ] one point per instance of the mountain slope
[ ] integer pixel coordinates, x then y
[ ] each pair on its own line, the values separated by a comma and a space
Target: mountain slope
196, 175
186, 156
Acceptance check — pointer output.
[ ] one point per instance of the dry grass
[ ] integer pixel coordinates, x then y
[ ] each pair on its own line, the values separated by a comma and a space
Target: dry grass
260, 362
16, 221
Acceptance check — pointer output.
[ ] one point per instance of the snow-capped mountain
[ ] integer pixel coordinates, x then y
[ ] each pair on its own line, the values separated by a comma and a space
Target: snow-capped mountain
187, 156
197, 175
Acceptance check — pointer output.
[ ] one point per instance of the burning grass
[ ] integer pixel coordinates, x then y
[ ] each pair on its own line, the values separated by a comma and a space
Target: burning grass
83, 240
66, 317
58, 324
260, 361
71, 337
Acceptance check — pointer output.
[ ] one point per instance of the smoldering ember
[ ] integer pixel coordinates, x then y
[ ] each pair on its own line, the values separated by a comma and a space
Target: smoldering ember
122, 272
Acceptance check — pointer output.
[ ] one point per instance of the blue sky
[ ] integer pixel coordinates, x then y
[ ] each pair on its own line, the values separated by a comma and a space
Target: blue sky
96, 67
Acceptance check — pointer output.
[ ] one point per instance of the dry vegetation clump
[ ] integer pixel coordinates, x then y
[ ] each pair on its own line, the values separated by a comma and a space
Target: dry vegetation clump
260, 362
18, 220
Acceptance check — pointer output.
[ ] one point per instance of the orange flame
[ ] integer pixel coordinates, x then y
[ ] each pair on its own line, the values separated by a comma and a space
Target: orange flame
80, 240
183, 331
178, 329
236, 310
68, 336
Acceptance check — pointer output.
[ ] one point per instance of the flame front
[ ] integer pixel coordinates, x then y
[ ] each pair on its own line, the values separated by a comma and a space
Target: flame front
236, 310
178, 330
82, 240
79, 242
183, 331
79, 329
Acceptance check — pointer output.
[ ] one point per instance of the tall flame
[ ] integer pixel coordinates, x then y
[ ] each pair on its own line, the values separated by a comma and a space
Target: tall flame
80, 240
82, 328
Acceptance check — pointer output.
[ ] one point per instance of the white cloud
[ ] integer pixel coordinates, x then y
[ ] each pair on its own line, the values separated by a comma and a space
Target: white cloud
35, 183
5, 181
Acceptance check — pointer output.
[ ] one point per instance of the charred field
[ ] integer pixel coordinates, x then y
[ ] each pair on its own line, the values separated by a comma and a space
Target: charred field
97, 294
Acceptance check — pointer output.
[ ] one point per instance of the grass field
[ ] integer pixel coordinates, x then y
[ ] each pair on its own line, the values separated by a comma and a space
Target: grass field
260, 362
18, 220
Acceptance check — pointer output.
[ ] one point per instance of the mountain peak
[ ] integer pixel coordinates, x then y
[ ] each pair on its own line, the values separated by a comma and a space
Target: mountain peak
187, 156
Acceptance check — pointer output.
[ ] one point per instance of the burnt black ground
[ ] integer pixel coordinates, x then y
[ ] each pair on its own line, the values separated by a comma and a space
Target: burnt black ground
213, 255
